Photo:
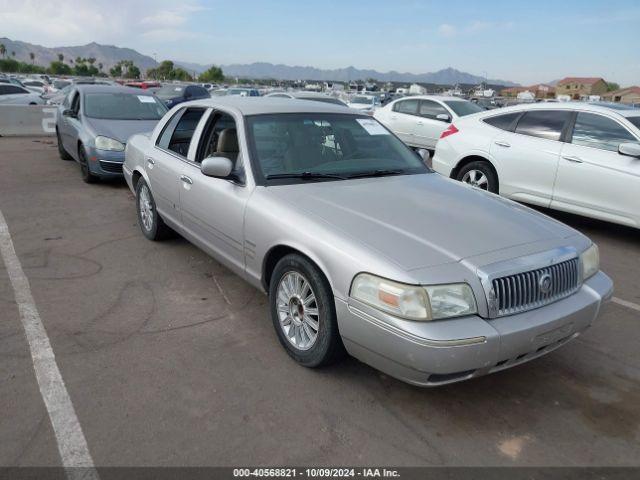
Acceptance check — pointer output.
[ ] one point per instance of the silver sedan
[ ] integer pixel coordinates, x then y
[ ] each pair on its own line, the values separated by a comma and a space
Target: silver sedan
359, 246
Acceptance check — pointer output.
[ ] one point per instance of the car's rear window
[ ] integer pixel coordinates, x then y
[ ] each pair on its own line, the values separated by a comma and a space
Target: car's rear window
463, 108
123, 106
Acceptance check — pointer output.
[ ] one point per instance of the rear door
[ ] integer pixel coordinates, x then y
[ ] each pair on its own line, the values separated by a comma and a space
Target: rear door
427, 128
527, 157
402, 119
164, 167
593, 178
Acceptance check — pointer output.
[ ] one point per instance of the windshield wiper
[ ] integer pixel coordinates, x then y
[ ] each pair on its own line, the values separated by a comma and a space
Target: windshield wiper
305, 175
377, 173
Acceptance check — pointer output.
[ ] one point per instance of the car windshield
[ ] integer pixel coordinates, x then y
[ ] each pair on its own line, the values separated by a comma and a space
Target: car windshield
364, 100
635, 121
238, 91
463, 108
170, 91
123, 106
333, 146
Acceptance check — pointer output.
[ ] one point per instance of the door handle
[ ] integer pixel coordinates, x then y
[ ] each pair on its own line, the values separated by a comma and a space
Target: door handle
186, 179
419, 122
502, 144
151, 161
572, 158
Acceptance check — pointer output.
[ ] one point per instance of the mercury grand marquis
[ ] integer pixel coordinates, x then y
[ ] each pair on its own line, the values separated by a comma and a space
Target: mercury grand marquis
359, 246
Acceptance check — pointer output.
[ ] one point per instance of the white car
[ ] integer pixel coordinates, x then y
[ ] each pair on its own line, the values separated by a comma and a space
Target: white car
37, 86
16, 95
575, 157
365, 103
419, 120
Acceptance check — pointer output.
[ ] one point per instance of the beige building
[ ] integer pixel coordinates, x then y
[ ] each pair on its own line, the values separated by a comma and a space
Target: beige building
630, 95
581, 87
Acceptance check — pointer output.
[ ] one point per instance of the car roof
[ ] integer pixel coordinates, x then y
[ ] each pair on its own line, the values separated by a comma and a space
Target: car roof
574, 106
88, 88
267, 105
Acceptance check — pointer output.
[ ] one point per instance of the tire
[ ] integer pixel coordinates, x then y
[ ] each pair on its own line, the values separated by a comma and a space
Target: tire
151, 223
87, 176
480, 175
61, 151
288, 293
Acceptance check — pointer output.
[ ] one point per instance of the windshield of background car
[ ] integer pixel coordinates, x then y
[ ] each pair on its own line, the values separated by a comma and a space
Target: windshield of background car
333, 101
464, 108
170, 91
326, 144
60, 84
364, 100
123, 106
635, 121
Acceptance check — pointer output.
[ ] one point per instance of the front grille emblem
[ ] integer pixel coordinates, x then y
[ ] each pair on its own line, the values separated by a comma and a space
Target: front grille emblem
545, 283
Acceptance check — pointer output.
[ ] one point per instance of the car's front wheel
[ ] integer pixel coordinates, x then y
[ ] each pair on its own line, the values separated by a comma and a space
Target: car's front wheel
87, 176
479, 174
151, 223
303, 312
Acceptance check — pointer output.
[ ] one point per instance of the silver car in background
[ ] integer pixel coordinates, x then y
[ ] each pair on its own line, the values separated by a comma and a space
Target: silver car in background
358, 244
94, 122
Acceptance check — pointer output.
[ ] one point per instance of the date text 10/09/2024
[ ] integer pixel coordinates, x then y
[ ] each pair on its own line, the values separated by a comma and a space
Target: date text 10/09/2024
316, 473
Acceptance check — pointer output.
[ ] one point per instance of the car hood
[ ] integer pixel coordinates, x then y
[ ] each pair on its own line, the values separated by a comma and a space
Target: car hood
120, 130
419, 221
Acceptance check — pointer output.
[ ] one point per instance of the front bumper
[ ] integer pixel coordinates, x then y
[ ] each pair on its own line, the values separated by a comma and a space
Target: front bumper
106, 164
446, 351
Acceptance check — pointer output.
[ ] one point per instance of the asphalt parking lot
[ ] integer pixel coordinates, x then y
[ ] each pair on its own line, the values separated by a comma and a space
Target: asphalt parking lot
170, 359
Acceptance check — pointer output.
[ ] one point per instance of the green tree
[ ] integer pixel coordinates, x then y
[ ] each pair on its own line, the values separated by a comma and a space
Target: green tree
13, 53
32, 56
59, 68
213, 74
3, 50
612, 86
100, 66
60, 57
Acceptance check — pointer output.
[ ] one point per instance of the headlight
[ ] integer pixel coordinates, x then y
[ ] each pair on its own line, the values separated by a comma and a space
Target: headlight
106, 143
414, 302
590, 261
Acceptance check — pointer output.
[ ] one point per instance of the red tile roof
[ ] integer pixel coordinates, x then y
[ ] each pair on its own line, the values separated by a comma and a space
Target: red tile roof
624, 91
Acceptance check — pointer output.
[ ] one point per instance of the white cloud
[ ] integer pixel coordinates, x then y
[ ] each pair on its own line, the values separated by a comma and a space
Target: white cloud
75, 22
447, 30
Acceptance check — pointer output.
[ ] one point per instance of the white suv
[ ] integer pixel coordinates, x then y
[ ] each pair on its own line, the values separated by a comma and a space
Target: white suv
575, 157
419, 120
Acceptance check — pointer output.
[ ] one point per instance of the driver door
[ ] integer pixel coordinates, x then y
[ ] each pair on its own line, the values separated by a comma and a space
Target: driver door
213, 208
428, 127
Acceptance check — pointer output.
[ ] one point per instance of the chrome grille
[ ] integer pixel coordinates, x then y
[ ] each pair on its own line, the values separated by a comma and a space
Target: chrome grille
525, 291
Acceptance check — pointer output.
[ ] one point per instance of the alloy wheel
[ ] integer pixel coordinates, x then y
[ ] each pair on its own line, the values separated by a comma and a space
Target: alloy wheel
146, 208
477, 179
297, 309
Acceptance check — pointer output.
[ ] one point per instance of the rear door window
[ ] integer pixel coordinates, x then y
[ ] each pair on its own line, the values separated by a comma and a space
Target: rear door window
597, 131
547, 124
409, 107
430, 109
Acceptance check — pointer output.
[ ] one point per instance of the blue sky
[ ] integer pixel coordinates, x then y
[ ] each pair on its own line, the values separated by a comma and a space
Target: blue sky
527, 43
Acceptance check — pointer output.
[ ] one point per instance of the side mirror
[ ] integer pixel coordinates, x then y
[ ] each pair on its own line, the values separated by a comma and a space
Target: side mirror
629, 149
425, 156
218, 167
443, 117
69, 113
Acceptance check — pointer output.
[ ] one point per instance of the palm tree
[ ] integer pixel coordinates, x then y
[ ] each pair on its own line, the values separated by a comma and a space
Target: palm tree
100, 66
71, 61
32, 56
13, 53
3, 50
60, 57
91, 60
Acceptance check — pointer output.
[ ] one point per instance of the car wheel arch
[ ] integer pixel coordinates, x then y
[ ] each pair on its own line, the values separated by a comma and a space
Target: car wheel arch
277, 252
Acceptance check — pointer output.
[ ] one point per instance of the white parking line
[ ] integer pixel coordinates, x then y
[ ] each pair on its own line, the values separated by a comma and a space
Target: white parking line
72, 445
624, 303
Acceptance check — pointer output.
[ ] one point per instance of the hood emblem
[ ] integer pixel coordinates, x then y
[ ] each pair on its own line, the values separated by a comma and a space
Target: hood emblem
545, 283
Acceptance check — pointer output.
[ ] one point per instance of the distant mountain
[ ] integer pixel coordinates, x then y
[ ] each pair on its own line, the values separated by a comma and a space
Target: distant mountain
448, 76
108, 55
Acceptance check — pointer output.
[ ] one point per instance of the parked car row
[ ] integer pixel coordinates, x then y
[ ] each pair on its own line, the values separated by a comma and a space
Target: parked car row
359, 246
